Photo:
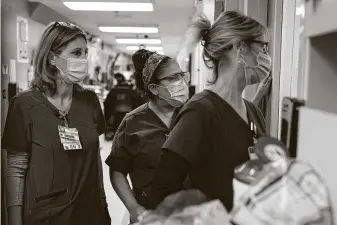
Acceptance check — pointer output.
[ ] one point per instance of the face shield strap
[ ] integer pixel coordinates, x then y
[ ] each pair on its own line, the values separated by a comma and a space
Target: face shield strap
151, 65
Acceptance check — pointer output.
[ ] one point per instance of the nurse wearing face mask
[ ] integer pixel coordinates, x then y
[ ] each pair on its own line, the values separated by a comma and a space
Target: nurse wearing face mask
136, 148
213, 131
51, 135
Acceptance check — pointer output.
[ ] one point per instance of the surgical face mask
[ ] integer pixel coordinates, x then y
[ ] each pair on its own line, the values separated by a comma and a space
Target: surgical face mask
177, 88
178, 93
75, 69
255, 74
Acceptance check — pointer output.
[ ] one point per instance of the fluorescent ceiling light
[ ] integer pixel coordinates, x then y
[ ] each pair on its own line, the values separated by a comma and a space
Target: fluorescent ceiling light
110, 6
138, 41
142, 30
150, 48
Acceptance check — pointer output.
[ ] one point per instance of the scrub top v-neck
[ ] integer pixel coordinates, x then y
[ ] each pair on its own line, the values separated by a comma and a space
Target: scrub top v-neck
62, 186
136, 149
208, 140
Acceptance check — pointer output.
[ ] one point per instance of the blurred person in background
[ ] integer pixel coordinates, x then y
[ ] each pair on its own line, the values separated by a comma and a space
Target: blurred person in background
118, 102
133, 82
94, 80
98, 75
111, 82
213, 130
51, 135
121, 81
138, 99
136, 148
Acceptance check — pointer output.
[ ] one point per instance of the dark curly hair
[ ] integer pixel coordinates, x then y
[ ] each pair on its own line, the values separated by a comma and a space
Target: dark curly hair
139, 59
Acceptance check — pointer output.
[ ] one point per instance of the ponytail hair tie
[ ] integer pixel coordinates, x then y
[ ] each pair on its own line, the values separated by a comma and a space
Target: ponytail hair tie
204, 38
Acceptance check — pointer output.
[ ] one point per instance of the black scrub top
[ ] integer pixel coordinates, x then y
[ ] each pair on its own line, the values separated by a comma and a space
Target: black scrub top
136, 149
62, 187
211, 139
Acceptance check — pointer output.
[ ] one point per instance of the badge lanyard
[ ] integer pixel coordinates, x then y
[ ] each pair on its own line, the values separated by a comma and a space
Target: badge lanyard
64, 117
252, 149
252, 127
69, 137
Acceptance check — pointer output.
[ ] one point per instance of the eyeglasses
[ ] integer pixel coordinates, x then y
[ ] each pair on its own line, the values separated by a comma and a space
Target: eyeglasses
56, 24
264, 44
177, 76
62, 24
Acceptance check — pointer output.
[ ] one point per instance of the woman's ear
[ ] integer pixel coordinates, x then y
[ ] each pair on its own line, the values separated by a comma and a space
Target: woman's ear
237, 47
241, 47
153, 89
244, 48
51, 59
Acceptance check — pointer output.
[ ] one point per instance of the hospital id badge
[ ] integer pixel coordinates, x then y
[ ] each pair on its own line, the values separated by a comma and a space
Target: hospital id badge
69, 138
252, 153
72, 146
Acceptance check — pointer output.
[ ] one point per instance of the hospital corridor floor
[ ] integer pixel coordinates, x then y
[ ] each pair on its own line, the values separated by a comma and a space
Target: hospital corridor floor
118, 212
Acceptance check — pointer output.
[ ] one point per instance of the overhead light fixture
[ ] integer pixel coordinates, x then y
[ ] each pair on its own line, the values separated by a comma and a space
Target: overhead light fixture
138, 41
110, 6
150, 48
141, 30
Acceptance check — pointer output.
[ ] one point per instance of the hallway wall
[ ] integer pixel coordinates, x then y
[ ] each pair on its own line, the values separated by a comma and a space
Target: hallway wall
10, 9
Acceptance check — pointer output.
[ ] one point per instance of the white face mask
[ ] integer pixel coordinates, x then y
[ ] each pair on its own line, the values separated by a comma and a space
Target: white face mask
177, 88
76, 69
178, 93
255, 74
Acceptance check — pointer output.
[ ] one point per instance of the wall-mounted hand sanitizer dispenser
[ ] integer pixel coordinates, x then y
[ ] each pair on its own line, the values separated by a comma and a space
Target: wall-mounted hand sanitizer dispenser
289, 123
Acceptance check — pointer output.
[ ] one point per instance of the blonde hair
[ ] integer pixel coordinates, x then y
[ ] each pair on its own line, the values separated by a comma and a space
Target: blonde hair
229, 29
54, 39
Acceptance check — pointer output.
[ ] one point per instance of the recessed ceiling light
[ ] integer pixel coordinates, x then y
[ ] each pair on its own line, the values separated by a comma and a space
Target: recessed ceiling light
150, 48
142, 30
110, 6
138, 41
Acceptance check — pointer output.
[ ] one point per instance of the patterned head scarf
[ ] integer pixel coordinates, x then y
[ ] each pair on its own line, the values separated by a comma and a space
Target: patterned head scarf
150, 66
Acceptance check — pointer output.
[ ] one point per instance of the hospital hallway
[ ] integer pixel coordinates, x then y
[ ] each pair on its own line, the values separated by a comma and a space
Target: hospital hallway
118, 213
235, 98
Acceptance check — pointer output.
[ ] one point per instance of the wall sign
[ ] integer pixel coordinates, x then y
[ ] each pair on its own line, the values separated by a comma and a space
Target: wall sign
22, 39
5, 69
4, 93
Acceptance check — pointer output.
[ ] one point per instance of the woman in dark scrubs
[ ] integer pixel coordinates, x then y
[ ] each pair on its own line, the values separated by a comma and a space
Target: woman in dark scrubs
51, 137
211, 133
136, 148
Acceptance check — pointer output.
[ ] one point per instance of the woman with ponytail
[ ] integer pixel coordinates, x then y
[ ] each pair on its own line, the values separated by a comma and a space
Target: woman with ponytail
212, 132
